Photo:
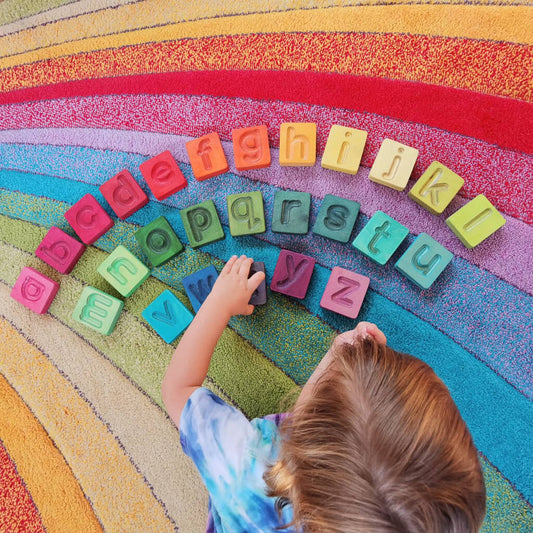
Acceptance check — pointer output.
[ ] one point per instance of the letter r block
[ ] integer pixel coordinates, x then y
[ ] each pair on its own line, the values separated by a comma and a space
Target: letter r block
345, 292
97, 310
199, 284
250, 147
336, 218
34, 290
246, 213
159, 241
202, 224
297, 144
123, 194
60, 250
163, 175
292, 274
344, 149
88, 219
393, 164
207, 156
291, 212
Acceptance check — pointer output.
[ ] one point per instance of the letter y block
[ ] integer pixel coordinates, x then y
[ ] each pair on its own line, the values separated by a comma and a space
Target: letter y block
292, 274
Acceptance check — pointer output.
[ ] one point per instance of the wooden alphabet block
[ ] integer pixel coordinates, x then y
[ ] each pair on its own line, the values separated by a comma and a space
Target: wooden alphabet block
159, 241
297, 144
246, 213
199, 284
344, 149
163, 175
97, 310
393, 164
88, 219
291, 212
259, 297
250, 147
60, 250
345, 292
207, 156
123, 194
34, 290
292, 274
336, 218
202, 224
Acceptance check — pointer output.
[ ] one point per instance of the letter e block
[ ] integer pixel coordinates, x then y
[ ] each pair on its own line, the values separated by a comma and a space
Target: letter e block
207, 156
88, 219
97, 310
246, 213
123, 194
291, 212
250, 148
199, 285
202, 224
163, 175
34, 290
344, 149
336, 218
60, 250
259, 297
297, 144
292, 274
159, 241
345, 292
393, 164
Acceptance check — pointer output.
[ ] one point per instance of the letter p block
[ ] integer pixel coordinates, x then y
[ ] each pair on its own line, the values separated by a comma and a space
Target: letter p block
97, 310
202, 224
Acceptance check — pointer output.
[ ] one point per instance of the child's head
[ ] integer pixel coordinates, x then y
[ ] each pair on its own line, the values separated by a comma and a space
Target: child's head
379, 446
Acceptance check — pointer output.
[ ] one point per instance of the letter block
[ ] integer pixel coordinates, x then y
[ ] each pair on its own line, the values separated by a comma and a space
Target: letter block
292, 274
207, 156
167, 316
123, 271
344, 149
291, 212
380, 237
436, 188
424, 261
34, 290
336, 218
475, 221
88, 219
259, 297
98, 310
345, 292
159, 241
393, 164
297, 144
163, 175
199, 284
60, 250
123, 194
202, 224
250, 147
246, 213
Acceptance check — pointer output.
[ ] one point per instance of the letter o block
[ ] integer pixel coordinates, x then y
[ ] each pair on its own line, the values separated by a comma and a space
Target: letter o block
159, 241
246, 213
34, 290
336, 218
207, 156
250, 148
202, 224
292, 274
345, 292
163, 175
97, 310
60, 250
123, 194
88, 219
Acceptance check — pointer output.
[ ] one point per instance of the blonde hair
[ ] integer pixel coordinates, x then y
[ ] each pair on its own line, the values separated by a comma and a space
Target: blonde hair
379, 446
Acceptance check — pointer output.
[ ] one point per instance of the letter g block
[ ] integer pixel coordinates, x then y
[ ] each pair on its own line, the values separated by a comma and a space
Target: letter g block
34, 290
97, 310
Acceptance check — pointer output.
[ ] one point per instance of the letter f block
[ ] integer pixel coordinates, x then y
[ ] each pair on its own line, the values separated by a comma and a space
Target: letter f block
97, 310
292, 274
207, 156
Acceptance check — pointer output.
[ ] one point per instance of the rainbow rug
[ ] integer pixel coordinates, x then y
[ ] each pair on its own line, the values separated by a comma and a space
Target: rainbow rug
92, 87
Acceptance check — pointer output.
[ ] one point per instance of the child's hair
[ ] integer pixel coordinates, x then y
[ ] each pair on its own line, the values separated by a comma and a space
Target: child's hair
379, 446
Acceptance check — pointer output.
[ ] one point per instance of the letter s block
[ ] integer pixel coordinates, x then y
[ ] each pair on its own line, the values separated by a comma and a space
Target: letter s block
246, 213
336, 218
88, 219
163, 175
345, 292
123, 194
292, 274
34, 290
207, 156
159, 241
250, 148
202, 224
60, 250
97, 310
199, 284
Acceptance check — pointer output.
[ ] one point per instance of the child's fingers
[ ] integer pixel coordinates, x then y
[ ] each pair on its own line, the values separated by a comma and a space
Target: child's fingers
226, 269
255, 280
243, 265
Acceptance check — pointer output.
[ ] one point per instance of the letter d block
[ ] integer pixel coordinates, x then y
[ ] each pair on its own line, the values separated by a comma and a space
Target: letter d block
97, 310
424, 261
202, 224
344, 149
393, 164
199, 285
250, 148
292, 274
88, 219
291, 212
123, 194
345, 292
336, 218
158, 241
246, 213
297, 144
34, 290
60, 250
123, 271
163, 175
207, 156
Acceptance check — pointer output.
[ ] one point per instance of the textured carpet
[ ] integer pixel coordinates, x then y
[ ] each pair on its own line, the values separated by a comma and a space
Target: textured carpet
92, 87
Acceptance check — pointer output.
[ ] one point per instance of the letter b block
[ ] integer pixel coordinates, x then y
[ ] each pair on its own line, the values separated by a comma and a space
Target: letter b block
97, 310
34, 290
345, 292
336, 218
163, 175
246, 213
202, 224
393, 164
344, 149
291, 212
88, 219
60, 250
199, 285
207, 156
123, 194
250, 148
158, 241
297, 144
292, 274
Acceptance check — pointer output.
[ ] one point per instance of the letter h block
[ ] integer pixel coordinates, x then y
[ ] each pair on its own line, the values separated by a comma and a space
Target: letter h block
88, 219
336, 218
60, 250
163, 175
202, 224
207, 156
345, 292
250, 148
34, 290
292, 274
159, 241
123, 194
246, 213
291, 212
97, 310
297, 144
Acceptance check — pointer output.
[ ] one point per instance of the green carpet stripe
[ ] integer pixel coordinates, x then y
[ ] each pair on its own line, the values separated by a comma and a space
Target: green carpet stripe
12, 10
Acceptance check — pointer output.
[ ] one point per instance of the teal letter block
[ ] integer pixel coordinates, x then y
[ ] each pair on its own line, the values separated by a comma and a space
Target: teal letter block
336, 218
123, 271
424, 261
168, 316
291, 212
97, 310
202, 224
158, 241
246, 213
380, 237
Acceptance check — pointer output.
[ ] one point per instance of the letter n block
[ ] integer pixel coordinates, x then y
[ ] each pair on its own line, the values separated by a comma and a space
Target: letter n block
34, 290
297, 144
159, 241
202, 224
246, 213
292, 274
88, 219
97, 310
393, 164
123, 194
199, 284
336, 218
259, 297
250, 148
345, 292
163, 175
60, 250
207, 156
291, 212
344, 149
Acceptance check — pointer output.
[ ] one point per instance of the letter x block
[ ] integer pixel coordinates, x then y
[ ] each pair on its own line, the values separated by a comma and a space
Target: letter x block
292, 274
123, 194
199, 285
34, 290
163, 175
291, 212
345, 292
202, 224
207, 156
159, 241
88, 219
336, 218
246, 213
97, 310
60, 250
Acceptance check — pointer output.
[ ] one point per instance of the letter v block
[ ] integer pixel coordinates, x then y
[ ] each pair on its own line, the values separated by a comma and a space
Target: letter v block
159, 241
97, 310
207, 156
336, 218
291, 212
123, 194
168, 316
163, 175
202, 224
34, 290
199, 285
292, 274
246, 213
88, 219
345, 292
60, 250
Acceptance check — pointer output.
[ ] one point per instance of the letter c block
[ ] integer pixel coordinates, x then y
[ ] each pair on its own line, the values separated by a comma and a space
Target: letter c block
345, 292
250, 148
292, 274
163, 175
88, 219
297, 144
199, 284
202, 224
246, 213
207, 156
97, 310
336, 218
123, 194
34, 290
60, 250
159, 241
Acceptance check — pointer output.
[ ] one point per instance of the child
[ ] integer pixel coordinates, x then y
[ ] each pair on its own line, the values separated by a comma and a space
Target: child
374, 442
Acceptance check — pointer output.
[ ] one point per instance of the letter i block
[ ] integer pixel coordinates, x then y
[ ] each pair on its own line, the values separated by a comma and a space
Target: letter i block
207, 156
97, 310
292, 274
345, 292
123, 271
380, 237
344, 149
246, 213
60, 250
88, 219
168, 316
199, 285
393, 164
123, 194
158, 241
34, 290
163, 175
297, 144
336, 218
202, 224
250, 148
259, 297
424, 261
475, 221
291, 212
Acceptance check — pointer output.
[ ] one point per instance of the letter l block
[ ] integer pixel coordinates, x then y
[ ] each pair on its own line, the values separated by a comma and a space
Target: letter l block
34, 290
292, 274
345, 292
97, 310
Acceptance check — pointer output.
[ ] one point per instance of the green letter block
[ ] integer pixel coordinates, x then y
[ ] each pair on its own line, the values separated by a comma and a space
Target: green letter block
246, 213
97, 310
291, 212
202, 224
158, 241
336, 218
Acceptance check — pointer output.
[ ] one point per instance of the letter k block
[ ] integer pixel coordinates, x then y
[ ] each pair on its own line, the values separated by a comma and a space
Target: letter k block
292, 274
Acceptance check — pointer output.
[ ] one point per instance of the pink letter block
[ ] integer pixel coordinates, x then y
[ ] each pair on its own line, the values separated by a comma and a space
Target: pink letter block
123, 194
292, 274
60, 250
88, 219
34, 290
163, 175
345, 292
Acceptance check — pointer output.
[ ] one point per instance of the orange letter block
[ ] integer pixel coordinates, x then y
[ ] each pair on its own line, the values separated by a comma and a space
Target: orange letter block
250, 148
207, 156
297, 144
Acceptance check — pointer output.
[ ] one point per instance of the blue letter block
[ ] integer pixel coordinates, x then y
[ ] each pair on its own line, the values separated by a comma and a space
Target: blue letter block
199, 285
336, 218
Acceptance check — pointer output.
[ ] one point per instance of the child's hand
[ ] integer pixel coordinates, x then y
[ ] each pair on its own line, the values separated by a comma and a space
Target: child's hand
362, 330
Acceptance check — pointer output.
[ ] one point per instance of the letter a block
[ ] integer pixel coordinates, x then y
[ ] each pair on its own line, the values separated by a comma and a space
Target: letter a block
163, 175
393, 164
202, 224
344, 149
88, 219
297, 144
34, 290
292, 274
291, 212
475, 221
159, 241
207, 156
424, 261
123, 271
246, 213
250, 148
336, 218
345, 292
199, 285
60, 250
380, 237
97, 310
259, 297
168, 316
123, 194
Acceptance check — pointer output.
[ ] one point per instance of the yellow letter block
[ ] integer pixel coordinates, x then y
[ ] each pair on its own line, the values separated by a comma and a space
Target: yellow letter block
344, 149
475, 221
436, 188
297, 144
393, 165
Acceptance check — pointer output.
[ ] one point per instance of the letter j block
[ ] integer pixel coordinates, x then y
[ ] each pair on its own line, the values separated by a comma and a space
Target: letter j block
292, 274
34, 290
393, 164
88, 219
97, 310
345, 292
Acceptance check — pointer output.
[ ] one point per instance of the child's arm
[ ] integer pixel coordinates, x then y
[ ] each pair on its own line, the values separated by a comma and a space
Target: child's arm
188, 368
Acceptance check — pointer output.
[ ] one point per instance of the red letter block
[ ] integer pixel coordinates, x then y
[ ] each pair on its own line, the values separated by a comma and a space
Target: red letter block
34, 290
345, 292
60, 250
292, 274
124, 194
207, 156
88, 219
163, 175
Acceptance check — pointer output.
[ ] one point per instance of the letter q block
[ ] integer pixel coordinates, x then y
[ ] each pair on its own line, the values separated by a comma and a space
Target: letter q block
393, 164
207, 156
123, 194
297, 144
344, 149
292, 274
34, 290
345, 292
250, 148
60, 250
163, 175
88, 219
97, 310
159, 241
246, 213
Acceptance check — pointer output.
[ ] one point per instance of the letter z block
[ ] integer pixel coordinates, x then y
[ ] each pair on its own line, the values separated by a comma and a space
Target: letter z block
34, 290
60, 250
123, 194
97, 310
336, 218
246, 213
344, 149
292, 274
88, 219
207, 156
202, 224
297, 144
199, 284
163, 175
259, 297
291, 212
159, 241
345, 292
393, 164
250, 148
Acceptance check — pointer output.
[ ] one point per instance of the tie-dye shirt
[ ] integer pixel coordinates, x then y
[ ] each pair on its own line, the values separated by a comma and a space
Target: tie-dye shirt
232, 454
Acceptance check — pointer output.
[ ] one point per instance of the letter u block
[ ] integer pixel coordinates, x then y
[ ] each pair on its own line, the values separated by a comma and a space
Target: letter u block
292, 274
199, 284
250, 147
336, 218
88, 219
123, 271
159, 241
202, 224
344, 149
291, 212
393, 164
97, 310
297, 144
207, 156
60, 250
163, 175
345, 292
34, 290
123, 194
246, 213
